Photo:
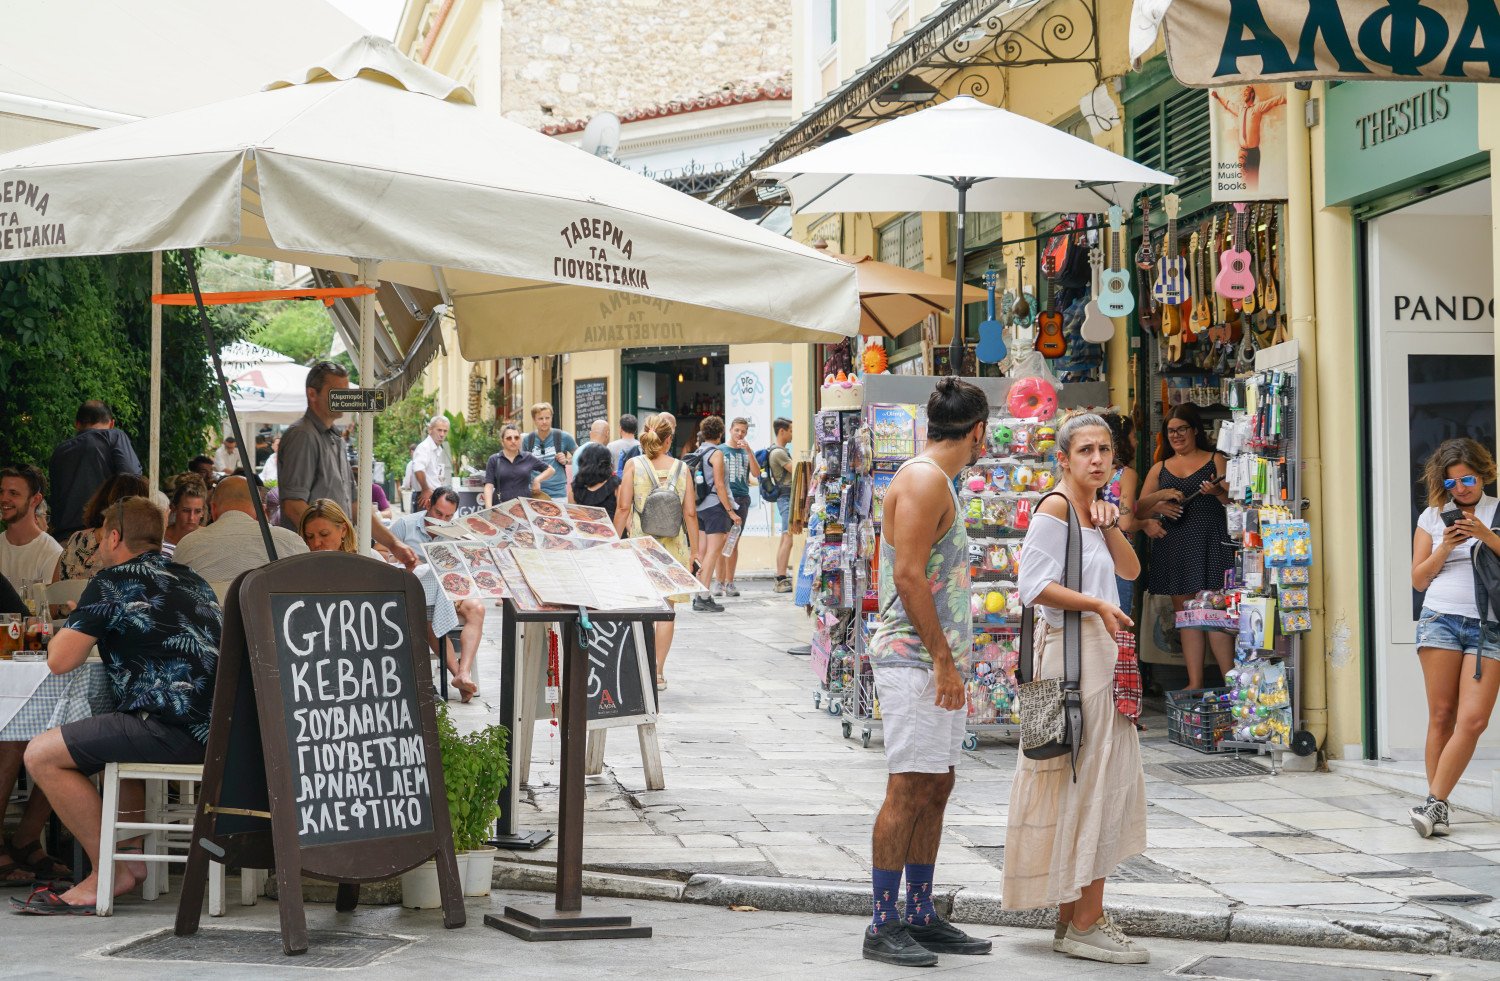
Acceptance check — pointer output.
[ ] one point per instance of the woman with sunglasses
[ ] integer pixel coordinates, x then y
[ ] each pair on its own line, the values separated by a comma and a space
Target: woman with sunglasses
1452, 632
1181, 508
513, 472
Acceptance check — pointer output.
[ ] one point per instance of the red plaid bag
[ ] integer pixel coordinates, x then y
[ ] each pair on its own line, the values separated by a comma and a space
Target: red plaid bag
1127, 677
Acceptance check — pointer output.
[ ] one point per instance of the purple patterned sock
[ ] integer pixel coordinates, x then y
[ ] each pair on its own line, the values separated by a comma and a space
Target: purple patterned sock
919, 908
887, 883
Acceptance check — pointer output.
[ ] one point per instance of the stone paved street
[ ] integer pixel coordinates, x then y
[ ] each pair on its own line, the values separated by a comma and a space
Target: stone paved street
761, 783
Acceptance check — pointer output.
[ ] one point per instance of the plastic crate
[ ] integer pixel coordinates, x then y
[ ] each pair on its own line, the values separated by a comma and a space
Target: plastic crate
1195, 724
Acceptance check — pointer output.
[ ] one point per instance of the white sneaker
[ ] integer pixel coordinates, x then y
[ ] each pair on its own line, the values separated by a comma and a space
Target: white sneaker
1105, 942
1058, 933
718, 589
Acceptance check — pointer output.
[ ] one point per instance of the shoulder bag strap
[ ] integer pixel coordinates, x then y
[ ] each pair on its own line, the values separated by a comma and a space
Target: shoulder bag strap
1072, 579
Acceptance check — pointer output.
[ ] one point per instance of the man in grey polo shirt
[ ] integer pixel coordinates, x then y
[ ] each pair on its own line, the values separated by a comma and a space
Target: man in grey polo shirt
314, 464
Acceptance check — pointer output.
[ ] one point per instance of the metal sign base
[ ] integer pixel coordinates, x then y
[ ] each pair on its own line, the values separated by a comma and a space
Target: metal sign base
555, 925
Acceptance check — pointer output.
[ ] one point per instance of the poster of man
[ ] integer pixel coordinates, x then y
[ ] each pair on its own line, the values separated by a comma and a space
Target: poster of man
1249, 143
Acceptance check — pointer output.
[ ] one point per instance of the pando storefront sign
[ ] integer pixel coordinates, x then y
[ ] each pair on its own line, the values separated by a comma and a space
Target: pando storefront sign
1217, 42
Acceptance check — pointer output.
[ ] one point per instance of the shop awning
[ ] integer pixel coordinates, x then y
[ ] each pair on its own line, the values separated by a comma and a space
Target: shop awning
408, 331
972, 41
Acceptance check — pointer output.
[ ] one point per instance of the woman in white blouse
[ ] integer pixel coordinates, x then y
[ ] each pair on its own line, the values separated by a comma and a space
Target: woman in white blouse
1065, 834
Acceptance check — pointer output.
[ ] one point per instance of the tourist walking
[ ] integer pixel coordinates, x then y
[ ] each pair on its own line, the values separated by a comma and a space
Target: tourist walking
432, 461
1454, 636
1182, 511
554, 447
1074, 818
594, 482
921, 643
779, 473
511, 473
627, 443
739, 466
646, 507
714, 517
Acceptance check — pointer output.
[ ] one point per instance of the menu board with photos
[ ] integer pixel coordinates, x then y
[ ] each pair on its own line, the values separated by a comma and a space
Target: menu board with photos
599, 578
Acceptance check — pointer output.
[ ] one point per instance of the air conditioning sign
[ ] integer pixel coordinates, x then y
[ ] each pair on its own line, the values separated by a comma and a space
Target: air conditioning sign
1217, 42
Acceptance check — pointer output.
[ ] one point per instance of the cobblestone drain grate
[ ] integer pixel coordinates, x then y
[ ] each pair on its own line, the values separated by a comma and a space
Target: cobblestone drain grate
1218, 769
326, 949
1255, 969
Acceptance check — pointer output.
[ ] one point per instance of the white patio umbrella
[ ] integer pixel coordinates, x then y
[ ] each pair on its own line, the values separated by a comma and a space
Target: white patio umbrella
376, 165
959, 156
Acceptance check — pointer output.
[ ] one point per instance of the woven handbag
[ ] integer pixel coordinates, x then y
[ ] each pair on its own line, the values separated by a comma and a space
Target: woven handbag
1052, 708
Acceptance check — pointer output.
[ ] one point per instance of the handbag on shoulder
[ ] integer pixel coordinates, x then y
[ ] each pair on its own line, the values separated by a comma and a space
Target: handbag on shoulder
1052, 708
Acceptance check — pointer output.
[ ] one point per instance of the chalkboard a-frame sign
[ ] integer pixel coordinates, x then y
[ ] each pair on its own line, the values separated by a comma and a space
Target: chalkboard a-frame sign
322, 760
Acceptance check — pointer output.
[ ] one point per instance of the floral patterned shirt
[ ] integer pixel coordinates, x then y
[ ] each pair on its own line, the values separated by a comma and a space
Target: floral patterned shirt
157, 625
895, 642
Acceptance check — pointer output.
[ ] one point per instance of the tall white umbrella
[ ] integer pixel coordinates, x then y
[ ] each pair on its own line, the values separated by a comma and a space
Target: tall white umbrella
959, 156
371, 163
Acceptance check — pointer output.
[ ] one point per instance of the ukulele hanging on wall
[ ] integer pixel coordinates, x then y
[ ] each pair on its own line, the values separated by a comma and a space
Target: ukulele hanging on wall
991, 347
1114, 284
1171, 270
1096, 327
1049, 334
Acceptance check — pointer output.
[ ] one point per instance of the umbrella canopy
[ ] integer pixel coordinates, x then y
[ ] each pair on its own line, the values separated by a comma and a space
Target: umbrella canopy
893, 298
909, 164
539, 247
272, 392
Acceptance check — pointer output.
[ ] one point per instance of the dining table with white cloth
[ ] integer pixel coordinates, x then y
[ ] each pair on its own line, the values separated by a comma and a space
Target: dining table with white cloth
33, 699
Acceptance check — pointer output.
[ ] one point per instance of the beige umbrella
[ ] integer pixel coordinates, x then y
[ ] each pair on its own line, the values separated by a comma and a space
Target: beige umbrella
893, 298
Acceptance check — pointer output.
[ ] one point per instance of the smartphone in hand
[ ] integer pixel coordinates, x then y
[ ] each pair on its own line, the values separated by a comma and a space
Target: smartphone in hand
1451, 516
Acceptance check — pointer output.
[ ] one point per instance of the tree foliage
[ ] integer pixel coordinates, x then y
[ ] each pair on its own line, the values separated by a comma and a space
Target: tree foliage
398, 427
302, 331
81, 329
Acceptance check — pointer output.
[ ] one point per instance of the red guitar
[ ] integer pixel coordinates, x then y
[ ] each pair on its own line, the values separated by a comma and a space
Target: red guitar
1049, 334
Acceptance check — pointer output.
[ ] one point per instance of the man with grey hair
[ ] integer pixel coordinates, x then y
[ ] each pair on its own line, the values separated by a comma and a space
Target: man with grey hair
432, 463
232, 544
598, 441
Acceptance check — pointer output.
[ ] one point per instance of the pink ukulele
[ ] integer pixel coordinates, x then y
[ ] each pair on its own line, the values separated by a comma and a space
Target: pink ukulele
1235, 280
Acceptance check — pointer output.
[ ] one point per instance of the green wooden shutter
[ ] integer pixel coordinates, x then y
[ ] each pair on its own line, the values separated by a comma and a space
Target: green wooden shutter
1168, 128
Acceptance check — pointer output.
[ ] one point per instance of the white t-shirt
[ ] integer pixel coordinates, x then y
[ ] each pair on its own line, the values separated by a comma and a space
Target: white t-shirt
33, 562
1452, 589
1044, 553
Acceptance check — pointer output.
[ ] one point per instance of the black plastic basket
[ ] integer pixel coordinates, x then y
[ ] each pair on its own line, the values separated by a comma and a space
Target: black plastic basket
1196, 724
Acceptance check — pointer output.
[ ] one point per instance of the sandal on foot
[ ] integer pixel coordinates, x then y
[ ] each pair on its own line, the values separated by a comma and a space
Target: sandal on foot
35, 858
14, 873
46, 902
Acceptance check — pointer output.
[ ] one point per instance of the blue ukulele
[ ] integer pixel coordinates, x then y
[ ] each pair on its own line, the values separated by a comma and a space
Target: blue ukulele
991, 349
1114, 297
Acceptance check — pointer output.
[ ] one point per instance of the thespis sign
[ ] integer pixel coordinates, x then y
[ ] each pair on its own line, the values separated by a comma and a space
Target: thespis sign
23, 214
600, 253
1217, 42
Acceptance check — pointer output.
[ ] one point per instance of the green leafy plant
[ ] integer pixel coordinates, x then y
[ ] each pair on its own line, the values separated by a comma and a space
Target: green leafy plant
476, 768
399, 426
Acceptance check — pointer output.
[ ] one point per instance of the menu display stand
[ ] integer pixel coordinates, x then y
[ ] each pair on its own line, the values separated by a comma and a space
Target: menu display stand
566, 920
512, 699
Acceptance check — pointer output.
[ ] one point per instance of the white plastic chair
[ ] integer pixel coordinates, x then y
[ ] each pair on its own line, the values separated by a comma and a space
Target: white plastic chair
164, 828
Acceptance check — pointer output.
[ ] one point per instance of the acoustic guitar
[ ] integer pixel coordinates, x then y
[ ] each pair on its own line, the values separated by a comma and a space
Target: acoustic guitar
991, 347
1049, 323
1144, 259
1114, 284
1096, 327
1171, 269
1020, 312
1203, 314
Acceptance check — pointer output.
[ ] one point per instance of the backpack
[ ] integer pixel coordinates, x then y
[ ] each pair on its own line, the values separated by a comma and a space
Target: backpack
702, 471
660, 512
532, 445
770, 490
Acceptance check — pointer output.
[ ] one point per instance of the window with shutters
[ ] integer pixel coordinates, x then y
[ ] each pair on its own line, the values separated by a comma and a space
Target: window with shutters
1167, 128
901, 241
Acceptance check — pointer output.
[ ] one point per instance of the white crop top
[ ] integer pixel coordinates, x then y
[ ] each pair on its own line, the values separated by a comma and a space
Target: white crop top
1045, 551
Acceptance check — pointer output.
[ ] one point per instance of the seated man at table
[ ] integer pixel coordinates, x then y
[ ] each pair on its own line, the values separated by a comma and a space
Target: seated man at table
232, 544
156, 624
412, 529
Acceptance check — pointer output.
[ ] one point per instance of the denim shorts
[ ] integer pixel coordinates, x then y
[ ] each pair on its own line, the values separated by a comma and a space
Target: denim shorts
784, 510
1451, 632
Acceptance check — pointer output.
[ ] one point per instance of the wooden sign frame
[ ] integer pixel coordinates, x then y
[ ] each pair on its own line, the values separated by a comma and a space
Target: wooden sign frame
241, 823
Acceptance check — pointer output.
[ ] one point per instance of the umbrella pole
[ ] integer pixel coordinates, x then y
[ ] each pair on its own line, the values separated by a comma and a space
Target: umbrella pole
154, 472
956, 348
366, 474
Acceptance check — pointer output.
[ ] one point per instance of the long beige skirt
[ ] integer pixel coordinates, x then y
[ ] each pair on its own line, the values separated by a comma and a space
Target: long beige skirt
1061, 834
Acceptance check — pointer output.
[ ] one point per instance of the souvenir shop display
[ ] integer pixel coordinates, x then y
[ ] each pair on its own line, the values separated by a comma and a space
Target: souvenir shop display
996, 497
1265, 602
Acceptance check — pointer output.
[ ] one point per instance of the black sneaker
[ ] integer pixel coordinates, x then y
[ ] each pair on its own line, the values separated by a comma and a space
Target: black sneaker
942, 937
1429, 816
891, 943
705, 604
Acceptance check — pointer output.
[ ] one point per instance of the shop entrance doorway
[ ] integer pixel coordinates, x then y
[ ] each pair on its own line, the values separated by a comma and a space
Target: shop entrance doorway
1431, 327
685, 381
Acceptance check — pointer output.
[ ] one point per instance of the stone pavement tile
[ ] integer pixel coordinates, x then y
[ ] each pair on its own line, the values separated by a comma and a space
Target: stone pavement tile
1367, 908
1241, 823
697, 842
978, 875
1325, 819
1444, 860
1309, 845
1332, 893
1481, 879
1159, 890
961, 819
1421, 888
1389, 806
778, 838
1190, 838
1248, 864
815, 861
1492, 856
1324, 786
1386, 841
1353, 863
1163, 790
1484, 837
982, 836
1245, 790
1157, 817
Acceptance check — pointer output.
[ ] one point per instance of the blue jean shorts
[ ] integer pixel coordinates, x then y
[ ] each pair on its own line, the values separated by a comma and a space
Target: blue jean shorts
784, 510
1451, 632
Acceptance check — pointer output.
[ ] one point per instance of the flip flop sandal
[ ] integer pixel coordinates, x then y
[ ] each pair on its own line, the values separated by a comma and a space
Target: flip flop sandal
46, 902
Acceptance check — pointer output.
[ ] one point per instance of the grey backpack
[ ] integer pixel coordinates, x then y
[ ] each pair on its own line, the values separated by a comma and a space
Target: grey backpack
661, 511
